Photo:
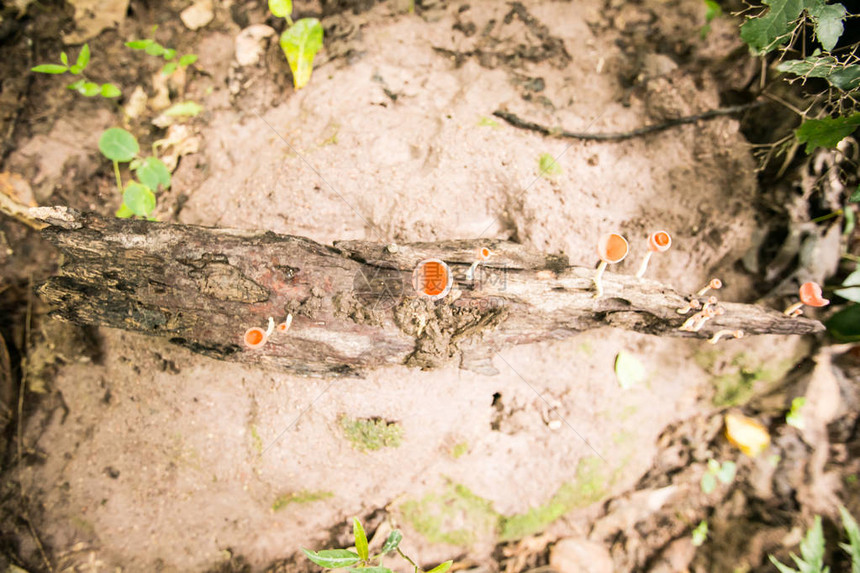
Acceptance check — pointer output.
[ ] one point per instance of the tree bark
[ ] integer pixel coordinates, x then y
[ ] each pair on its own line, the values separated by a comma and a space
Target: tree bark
353, 304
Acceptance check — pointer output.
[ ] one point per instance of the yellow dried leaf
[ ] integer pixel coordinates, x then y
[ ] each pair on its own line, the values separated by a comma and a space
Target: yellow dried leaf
750, 436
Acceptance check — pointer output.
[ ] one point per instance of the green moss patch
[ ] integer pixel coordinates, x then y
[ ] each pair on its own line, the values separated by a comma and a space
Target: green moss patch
371, 434
460, 517
303, 496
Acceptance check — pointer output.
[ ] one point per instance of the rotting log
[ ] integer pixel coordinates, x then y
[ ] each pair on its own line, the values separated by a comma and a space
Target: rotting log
352, 303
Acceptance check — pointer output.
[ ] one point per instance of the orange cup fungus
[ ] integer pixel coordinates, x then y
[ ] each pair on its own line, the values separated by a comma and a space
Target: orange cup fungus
658, 242
611, 248
255, 337
810, 295
483, 254
432, 279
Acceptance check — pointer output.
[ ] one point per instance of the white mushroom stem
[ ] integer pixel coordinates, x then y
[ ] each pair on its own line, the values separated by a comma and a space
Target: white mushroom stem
793, 310
597, 278
692, 305
641, 272
720, 333
471, 272
271, 327
287, 323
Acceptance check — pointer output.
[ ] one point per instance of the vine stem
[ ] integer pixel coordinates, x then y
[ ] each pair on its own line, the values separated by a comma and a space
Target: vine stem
118, 177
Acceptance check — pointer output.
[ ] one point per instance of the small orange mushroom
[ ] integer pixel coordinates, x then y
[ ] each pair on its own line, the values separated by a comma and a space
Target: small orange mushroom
721, 333
810, 295
611, 248
256, 337
432, 278
714, 284
658, 242
483, 254
285, 326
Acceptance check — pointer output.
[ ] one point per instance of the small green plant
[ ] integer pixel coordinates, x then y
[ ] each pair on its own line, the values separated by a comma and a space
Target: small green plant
371, 434
138, 197
781, 27
361, 560
700, 534
724, 473
82, 85
300, 41
845, 324
811, 558
548, 167
712, 11
795, 416
153, 48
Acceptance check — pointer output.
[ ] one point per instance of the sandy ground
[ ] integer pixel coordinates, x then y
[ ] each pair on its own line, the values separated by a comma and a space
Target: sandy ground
162, 460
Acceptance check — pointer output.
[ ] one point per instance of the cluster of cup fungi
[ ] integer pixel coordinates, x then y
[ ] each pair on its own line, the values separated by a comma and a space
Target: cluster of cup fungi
433, 279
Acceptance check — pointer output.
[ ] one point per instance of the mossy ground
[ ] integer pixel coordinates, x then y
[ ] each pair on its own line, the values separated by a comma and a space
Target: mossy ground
459, 517
300, 497
371, 434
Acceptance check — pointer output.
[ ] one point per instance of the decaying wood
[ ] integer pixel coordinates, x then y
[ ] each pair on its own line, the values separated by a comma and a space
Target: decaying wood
353, 305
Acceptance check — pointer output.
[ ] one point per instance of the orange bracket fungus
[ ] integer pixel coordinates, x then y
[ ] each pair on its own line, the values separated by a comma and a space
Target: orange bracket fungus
484, 254
721, 333
432, 279
256, 337
658, 242
810, 295
715, 284
612, 248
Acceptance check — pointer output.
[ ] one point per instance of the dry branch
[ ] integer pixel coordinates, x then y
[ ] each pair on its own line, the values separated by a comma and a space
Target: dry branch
353, 305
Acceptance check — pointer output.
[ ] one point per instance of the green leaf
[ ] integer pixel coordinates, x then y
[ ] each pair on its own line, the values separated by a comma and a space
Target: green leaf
812, 546
782, 568
90, 89
75, 69
628, 370
712, 10
852, 294
139, 198
827, 19
727, 472
186, 109
845, 324
118, 145
827, 132
360, 539
763, 33
124, 212
709, 482
152, 172
442, 567
154, 49
50, 69
855, 195
332, 558
393, 540
169, 54
850, 222
300, 43
169, 68
138, 44
76, 85
64, 57
547, 166
838, 74
83, 58
713, 466
187, 60
794, 417
281, 8
110, 90
700, 534
853, 545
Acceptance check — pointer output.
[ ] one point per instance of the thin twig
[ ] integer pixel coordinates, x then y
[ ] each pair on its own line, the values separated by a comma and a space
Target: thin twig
516, 121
